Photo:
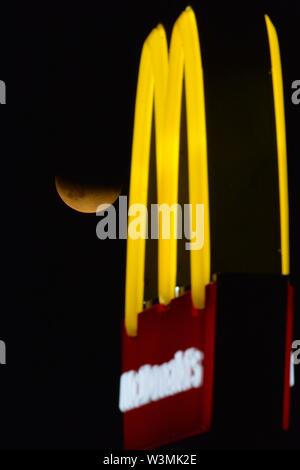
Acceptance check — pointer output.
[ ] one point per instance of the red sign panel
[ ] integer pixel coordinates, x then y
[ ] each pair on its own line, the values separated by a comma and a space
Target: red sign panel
288, 359
167, 381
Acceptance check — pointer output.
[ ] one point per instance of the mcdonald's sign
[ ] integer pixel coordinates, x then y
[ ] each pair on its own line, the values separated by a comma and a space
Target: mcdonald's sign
160, 82
166, 388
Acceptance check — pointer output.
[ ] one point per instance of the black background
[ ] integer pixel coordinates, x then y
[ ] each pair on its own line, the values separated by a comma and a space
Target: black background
71, 76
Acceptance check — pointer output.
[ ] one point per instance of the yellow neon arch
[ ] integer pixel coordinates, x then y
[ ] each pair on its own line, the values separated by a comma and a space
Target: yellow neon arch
160, 82
281, 144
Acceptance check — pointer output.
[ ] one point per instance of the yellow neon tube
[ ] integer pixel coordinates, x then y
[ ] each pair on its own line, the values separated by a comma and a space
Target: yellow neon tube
281, 144
185, 56
152, 82
161, 80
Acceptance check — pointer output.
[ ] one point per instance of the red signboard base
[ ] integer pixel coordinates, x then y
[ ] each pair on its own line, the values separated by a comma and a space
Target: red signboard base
167, 381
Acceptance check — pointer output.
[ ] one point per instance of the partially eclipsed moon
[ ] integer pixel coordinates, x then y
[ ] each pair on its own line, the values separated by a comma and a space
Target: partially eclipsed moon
85, 198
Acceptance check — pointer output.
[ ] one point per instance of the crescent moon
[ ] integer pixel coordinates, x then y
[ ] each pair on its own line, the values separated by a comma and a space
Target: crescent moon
85, 198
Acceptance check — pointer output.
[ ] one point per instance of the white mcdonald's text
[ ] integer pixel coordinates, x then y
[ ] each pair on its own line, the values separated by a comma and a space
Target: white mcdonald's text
154, 382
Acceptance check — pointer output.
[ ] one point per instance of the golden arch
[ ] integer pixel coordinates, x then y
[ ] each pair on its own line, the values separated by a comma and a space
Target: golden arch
160, 83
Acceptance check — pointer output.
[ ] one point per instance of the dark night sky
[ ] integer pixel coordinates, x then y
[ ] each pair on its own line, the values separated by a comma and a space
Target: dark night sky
71, 78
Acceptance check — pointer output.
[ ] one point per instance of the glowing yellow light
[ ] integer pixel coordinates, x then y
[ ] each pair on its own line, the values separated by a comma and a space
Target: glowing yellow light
281, 144
160, 81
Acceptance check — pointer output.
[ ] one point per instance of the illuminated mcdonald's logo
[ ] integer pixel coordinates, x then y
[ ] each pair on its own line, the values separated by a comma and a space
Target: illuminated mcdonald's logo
162, 73
160, 82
